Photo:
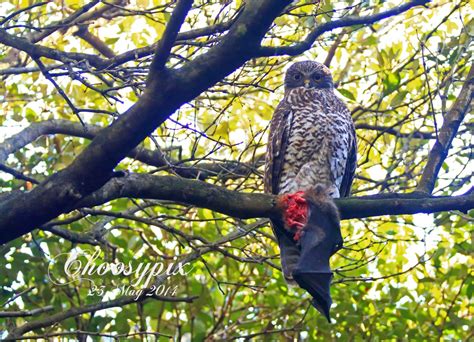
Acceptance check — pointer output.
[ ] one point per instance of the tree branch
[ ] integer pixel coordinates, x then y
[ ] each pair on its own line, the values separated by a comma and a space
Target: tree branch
70, 128
395, 132
448, 131
155, 158
252, 205
70, 20
62, 315
36, 50
21, 10
83, 33
301, 47
17, 174
168, 39
26, 313
170, 188
165, 93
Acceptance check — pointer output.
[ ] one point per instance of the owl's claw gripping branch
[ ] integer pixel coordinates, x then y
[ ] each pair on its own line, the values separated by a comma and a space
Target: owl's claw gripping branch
295, 212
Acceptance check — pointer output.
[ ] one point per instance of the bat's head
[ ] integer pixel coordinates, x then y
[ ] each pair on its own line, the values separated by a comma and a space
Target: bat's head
310, 75
320, 202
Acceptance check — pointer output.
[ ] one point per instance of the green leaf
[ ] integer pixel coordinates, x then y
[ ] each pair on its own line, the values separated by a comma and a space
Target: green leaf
391, 82
280, 21
398, 98
371, 40
347, 94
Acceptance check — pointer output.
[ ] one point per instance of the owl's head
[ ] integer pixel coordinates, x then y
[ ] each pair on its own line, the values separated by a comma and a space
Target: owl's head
308, 74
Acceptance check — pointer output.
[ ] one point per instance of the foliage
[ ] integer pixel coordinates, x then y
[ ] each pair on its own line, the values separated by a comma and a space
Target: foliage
399, 277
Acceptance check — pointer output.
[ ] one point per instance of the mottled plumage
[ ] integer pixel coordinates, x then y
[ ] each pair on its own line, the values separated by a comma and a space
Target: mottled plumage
312, 141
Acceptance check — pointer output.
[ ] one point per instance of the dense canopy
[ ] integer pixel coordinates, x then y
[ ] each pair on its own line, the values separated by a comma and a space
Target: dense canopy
136, 130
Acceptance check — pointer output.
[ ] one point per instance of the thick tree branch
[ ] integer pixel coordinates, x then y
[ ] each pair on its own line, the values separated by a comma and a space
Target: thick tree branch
250, 205
38, 129
170, 188
331, 25
448, 131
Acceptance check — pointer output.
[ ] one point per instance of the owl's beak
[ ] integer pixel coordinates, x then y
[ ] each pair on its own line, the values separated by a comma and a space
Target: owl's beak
307, 83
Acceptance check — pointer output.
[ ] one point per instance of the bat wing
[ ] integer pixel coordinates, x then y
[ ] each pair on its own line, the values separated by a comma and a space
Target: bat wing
289, 251
320, 240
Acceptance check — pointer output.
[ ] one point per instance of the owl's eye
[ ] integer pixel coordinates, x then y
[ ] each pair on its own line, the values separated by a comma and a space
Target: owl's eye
297, 77
316, 77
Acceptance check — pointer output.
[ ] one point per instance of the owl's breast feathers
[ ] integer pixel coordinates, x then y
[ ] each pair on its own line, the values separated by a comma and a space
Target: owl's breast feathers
312, 141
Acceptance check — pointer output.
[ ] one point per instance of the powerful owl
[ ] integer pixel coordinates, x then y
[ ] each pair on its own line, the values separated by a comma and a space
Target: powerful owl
312, 144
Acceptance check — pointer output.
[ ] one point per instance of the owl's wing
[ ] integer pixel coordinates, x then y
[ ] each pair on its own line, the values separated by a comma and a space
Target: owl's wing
280, 128
276, 148
351, 164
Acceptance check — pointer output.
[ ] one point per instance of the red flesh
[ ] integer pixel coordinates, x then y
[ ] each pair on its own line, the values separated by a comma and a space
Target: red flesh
295, 212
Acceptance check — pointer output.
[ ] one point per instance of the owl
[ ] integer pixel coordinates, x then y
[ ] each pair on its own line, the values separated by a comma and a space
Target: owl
312, 143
